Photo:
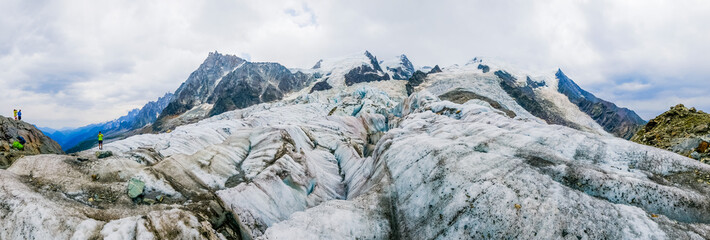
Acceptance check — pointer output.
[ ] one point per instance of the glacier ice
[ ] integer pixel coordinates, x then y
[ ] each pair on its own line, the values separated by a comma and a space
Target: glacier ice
366, 162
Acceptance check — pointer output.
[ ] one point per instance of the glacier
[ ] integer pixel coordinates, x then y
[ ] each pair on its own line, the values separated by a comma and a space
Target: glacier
367, 161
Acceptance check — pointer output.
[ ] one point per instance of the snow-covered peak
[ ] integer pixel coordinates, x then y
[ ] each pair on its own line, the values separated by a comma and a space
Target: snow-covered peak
399, 67
344, 63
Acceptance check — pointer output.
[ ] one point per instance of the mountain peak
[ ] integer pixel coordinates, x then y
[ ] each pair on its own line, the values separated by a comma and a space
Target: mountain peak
317, 66
560, 74
436, 69
373, 61
216, 56
399, 67
405, 62
368, 54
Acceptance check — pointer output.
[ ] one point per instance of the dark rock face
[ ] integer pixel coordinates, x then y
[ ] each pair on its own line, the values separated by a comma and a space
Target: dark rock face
320, 86
525, 97
253, 83
417, 78
404, 71
485, 68
680, 130
534, 84
317, 66
199, 85
149, 113
621, 122
462, 96
229, 83
365, 74
36, 142
373, 61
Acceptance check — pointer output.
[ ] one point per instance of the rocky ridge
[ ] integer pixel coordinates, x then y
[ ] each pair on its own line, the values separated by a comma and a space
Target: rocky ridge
224, 83
682, 130
36, 141
621, 122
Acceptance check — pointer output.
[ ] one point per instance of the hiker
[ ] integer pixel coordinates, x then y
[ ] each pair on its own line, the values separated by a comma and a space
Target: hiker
14, 113
19, 115
101, 141
22, 140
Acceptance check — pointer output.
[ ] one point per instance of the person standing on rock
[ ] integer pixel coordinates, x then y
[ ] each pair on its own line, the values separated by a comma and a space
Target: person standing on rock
19, 115
101, 141
14, 113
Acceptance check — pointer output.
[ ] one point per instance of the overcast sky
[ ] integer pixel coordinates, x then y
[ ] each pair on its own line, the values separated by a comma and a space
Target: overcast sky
71, 63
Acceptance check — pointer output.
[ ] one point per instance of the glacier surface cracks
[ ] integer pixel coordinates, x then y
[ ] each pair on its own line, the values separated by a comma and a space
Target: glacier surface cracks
363, 163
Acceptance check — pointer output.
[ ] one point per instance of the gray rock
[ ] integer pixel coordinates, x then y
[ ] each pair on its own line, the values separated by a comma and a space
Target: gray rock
484, 68
321, 86
436, 69
36, 143
686, 145
135, 187
103, 154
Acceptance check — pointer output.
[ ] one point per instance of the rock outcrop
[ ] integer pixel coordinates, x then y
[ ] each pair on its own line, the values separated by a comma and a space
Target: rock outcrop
224, 83
526, 97
201, 83
402, 69
680, 130
415, 80
253, 83
36, 142
366, 73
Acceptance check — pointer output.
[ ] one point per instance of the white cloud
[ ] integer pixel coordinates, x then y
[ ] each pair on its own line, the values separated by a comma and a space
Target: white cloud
633, 86
70, 63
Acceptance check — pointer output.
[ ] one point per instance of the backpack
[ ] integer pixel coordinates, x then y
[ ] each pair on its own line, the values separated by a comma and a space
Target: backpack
17, 145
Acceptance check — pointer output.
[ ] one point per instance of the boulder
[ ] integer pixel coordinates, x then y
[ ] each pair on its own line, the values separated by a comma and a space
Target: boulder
702, 147
135, 187
103, 154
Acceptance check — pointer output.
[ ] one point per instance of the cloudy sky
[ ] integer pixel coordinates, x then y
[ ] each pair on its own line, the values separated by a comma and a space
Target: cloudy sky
71, 63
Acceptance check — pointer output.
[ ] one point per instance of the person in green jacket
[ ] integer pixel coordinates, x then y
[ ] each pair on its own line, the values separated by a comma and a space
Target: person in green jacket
101, 141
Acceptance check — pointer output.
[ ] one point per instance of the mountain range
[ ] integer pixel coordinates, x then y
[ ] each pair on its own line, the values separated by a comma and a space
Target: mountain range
226, 82
82, 138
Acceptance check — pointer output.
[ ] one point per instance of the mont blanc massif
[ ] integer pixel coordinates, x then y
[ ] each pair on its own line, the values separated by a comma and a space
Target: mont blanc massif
356, 148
